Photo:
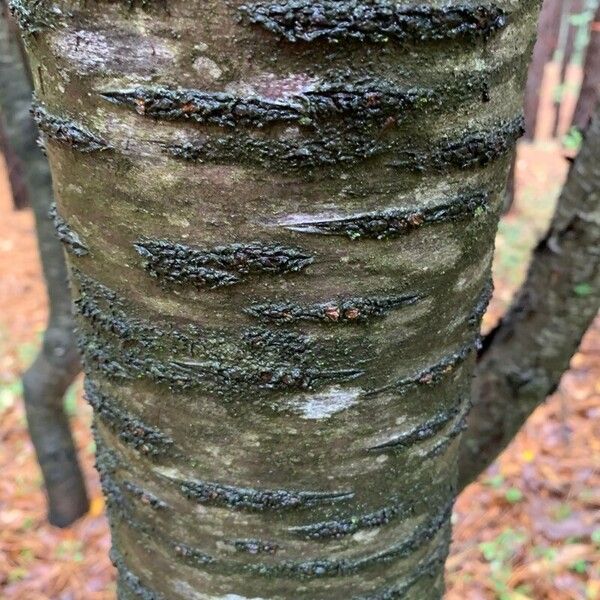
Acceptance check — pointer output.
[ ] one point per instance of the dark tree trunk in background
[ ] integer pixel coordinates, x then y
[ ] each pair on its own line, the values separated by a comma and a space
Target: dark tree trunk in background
16, 180
590, 87
545, 46
57, 364
547, 35
281, 220
563, 56
524, 357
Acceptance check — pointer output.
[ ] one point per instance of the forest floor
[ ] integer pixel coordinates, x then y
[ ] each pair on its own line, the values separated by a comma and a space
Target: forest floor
528, 529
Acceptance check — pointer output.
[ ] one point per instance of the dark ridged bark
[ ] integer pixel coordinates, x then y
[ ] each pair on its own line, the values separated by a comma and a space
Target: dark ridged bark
56, 366
289, 225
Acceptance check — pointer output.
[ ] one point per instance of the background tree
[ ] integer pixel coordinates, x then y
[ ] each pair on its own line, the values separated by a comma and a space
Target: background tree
57, 364
285, 216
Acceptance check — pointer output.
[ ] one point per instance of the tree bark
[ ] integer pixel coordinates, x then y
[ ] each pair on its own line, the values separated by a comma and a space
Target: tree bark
524, 357
57, 364
281, 218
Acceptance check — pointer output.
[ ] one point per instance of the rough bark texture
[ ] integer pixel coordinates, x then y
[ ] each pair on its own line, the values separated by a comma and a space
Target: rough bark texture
285, 215
57, 364
523, 359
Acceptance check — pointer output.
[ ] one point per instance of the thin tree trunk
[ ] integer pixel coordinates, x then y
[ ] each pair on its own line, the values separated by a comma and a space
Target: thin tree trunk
20, 195
545, 46
282, 218
590, 88
523, 359
57, 364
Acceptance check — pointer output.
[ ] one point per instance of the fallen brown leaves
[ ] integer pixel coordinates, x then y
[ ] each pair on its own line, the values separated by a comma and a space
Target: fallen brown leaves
530, 527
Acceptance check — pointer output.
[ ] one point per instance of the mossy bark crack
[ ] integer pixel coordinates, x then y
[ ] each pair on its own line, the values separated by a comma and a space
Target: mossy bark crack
400, 509
66, 132
333, 146
219, 266
247, 498
422, 431
347, 310
147, 440
392, 223
433, 374
65, 233
362, 102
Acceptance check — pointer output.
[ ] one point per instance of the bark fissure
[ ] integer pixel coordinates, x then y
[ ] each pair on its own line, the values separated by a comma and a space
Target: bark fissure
334, 147
350, 310
220, 266
65, 233
474, 150
104, 312
131, 581
322, 567
67, 132
422, 431
482, 304
421, 534
367, 102
255, 546
147, 498
301, 20
401, 509
426, 567
123, 347
130, 429
217, 377
433, 374
204, 492
391, 223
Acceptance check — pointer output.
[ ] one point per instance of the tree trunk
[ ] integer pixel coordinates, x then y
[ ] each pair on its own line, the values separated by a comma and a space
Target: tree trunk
590, 87
545, 46
281, 218
57, 364
522, 360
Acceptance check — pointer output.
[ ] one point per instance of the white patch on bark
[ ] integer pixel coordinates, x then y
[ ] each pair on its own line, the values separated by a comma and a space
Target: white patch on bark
118, 51
326, 403
170, 473
207, 67
365, 535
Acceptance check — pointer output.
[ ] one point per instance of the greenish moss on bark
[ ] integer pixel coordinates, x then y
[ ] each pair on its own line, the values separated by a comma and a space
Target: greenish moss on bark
332, 146
133, 431
67, 132
67, 235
